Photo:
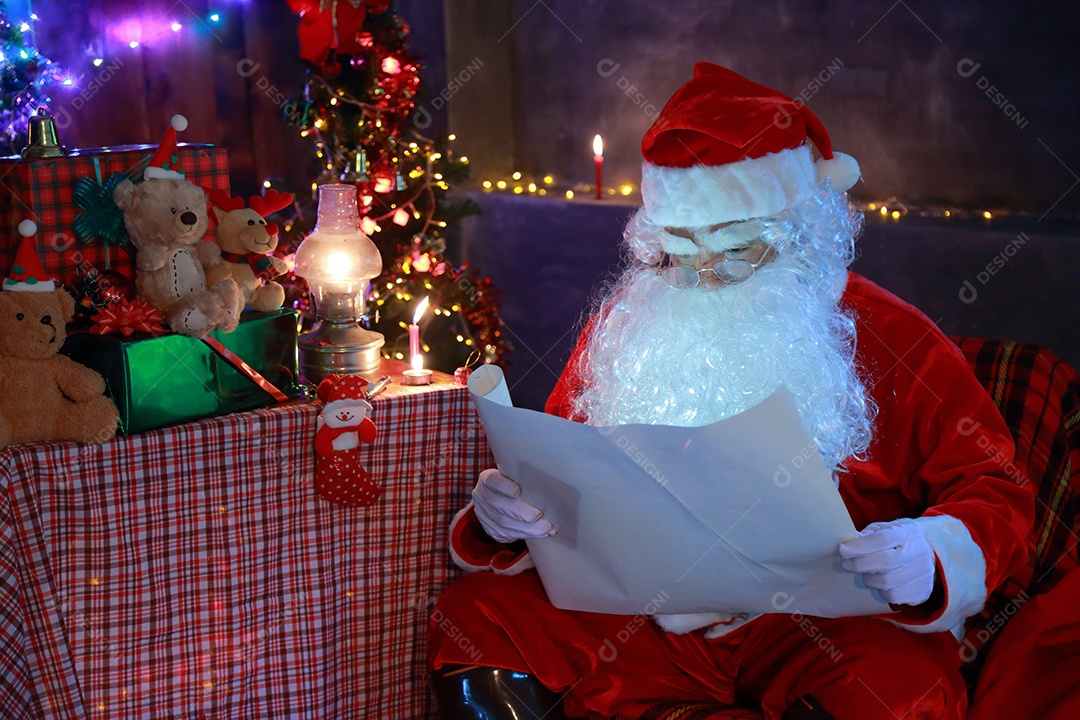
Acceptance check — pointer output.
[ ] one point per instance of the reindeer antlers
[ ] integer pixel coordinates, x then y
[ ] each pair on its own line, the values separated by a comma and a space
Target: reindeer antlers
270, 202
223, 200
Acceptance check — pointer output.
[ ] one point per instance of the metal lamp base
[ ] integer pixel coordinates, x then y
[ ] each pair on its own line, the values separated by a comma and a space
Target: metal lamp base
341, 347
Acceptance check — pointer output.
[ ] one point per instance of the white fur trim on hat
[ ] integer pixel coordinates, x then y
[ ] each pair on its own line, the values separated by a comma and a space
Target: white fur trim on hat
710, 194
760, 187
179, 123
156, 173
964, 567
41, 286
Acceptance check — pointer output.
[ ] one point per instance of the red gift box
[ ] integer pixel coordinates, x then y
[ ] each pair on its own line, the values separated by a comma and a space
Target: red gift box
41, 190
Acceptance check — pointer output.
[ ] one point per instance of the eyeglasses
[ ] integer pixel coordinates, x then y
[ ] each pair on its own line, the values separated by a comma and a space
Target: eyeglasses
735, 266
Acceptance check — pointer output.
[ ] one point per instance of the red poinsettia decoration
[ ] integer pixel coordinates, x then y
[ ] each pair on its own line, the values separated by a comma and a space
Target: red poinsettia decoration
332, 25
127, 317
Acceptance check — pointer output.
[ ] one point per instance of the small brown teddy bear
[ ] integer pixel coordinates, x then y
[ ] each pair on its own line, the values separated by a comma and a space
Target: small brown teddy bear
44, 395
245, 241
165, 216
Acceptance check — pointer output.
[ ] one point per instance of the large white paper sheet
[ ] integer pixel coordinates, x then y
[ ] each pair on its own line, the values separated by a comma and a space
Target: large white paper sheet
737, 516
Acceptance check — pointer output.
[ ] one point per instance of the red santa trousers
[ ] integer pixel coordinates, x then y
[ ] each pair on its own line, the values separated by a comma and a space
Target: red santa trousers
858, 668
1034, 669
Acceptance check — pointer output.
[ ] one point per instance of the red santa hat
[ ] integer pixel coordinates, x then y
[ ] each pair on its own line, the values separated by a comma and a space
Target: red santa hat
350, 391
726, 149
165, 165
27, 274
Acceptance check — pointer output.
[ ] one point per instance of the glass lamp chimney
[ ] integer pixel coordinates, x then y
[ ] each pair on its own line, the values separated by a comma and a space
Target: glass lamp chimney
338, 261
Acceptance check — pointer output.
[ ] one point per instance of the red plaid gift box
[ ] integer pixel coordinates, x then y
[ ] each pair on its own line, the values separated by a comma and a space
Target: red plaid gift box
41, 190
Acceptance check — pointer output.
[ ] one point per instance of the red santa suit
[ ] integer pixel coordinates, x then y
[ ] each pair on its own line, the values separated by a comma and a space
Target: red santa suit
1034, 668
936, 457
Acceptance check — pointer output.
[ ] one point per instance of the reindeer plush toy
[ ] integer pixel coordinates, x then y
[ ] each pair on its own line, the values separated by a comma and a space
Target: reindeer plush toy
246, 240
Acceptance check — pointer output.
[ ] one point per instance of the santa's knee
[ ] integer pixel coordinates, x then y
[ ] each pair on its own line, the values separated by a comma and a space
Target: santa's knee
474, 619
459, 602
912, 687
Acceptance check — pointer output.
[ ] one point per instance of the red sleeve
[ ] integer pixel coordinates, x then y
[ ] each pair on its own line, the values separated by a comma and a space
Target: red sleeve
561, 400
367, 430
942, 455
473, 549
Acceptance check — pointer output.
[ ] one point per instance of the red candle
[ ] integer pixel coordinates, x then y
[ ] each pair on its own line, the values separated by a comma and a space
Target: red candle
598, 159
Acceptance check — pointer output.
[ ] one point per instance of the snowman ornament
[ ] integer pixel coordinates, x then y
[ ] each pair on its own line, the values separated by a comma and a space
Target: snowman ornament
340, 476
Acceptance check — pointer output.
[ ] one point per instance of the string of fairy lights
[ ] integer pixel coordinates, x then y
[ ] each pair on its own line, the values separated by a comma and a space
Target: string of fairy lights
887, 209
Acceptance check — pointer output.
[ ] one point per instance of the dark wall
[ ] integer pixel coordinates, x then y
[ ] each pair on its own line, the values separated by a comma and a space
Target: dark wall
883, 76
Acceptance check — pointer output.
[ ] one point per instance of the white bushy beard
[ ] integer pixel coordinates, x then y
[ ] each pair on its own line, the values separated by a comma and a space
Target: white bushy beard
690, 357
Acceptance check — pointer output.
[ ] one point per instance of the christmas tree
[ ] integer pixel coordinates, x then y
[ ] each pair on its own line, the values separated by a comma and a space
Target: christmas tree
25, 79
358, 108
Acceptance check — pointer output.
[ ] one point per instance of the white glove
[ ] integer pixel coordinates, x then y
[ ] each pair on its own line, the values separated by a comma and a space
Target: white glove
894, 558
502, 512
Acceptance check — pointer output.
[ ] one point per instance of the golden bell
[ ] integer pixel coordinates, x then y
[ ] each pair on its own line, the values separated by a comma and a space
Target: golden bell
43, 141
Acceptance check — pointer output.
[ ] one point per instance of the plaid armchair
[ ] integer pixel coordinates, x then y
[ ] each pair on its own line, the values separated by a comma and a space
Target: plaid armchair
1039, 397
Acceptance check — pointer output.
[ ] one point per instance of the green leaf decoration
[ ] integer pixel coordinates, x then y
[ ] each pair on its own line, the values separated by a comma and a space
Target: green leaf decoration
99, 218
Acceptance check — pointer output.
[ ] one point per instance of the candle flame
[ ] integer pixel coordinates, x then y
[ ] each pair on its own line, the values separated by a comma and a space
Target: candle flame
598, 146
420, 310
417, 362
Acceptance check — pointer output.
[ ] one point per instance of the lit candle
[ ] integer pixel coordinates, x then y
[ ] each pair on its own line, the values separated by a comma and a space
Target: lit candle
598, 158
418, 375
414, 332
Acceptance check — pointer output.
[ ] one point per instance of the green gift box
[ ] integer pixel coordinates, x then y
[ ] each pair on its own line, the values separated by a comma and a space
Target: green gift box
170, 379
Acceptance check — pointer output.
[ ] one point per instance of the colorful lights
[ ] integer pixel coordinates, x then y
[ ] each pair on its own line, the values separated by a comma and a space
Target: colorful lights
391, 65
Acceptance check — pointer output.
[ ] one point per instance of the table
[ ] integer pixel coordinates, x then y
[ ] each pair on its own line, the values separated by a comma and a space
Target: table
192, 572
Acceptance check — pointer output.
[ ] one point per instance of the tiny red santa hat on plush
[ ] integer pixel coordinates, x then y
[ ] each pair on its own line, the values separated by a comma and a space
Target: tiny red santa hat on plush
349, 392
27, 274
726, 149
165, 165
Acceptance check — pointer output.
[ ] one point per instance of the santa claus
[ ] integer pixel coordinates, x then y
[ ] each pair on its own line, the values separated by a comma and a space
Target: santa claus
736, 283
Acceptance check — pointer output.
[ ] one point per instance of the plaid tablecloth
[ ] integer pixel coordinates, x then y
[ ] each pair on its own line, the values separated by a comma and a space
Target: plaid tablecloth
192, 572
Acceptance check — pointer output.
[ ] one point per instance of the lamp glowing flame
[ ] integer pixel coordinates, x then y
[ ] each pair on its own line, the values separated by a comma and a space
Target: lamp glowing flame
598, 146
420, 310
339, 265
